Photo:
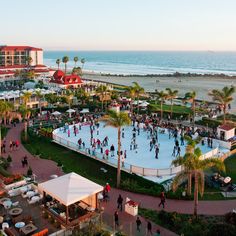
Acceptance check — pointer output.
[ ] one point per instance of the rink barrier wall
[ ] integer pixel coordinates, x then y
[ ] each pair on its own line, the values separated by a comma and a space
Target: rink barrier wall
128, 167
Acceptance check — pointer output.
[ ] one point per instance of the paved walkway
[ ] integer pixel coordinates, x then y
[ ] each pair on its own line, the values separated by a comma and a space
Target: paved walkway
44, 168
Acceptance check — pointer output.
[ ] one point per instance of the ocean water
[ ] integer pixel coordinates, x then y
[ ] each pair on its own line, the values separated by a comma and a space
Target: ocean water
147, 62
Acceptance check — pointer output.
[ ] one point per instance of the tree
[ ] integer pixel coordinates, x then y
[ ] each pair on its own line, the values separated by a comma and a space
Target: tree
131, 93
102, 90
39, 97
25, 113
117, 120
171, 94
5, 110
77, 71
138, 91
58, 61
83, 62
161, 96
29, 60
76, 59
26, 97
191, 97
194, 166
65, 59
224, 97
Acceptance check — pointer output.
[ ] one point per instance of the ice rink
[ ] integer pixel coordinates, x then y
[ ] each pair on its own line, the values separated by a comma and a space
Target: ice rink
141, 157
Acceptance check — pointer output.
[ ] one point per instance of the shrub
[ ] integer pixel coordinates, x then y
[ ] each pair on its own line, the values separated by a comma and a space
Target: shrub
230, 218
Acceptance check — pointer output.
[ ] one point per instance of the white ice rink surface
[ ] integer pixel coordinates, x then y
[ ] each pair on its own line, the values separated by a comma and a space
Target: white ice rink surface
141, 157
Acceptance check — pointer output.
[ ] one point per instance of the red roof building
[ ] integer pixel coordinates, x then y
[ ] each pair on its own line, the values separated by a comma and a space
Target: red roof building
61, 80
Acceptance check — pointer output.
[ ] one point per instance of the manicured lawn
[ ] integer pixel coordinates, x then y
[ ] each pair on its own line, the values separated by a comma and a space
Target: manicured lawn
88, 167
230, 164
4, 131
176, 109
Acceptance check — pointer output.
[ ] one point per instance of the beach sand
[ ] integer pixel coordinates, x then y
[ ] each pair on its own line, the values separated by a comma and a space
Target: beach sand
201, 84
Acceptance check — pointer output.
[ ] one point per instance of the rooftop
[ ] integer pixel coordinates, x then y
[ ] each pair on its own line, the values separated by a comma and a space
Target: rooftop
19, 48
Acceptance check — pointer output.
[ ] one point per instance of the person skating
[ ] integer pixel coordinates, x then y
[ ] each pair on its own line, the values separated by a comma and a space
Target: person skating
119, 202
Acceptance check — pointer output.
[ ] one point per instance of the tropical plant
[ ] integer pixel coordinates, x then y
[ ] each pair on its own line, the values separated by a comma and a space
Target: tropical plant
6, 109
76, 59
224, 97
29, 60
171, 94
58, 61
194, 166
161, 96
131, 93
102, 91
117, 120
65, 59
191, 97
26, 97
138, 91
39, 97
83, 62
77, 71
25, 113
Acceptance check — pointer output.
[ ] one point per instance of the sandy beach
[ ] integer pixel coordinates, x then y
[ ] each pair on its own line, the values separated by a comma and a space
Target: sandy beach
201, 84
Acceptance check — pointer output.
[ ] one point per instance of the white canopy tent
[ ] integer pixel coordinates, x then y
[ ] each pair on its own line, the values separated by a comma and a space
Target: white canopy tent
70, 188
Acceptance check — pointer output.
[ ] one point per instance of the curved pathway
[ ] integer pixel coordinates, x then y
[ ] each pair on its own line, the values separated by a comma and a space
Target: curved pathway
42, 168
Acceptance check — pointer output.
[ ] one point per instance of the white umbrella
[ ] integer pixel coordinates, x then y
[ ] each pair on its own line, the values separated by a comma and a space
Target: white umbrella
56, 113
85, 110
70, 110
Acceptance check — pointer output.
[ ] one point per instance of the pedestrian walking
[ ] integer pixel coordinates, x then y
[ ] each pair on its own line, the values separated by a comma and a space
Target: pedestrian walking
149, 228
138, 224
163, 200
119, 202
116, 218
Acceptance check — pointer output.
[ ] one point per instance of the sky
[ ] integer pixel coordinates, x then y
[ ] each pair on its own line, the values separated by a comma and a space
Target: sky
120, 24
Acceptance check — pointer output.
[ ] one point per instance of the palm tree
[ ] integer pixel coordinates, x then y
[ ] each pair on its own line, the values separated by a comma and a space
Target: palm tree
102, 90
6, 109
39, 97
76, 59
191, 97
26, 97
138, 91
131, 94
65, 59
224, 97
58, 61
117, 120
25, 113
194, 166
29, 60
161, 96
83, 62
171, 94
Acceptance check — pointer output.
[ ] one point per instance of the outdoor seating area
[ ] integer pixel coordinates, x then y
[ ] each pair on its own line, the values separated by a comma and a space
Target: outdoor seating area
76, 200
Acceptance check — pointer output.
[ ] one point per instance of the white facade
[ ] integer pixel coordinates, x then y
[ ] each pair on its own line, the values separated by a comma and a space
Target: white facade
227, 134
37, 57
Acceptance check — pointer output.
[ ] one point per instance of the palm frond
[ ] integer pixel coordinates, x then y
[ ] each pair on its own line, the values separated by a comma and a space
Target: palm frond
179, 179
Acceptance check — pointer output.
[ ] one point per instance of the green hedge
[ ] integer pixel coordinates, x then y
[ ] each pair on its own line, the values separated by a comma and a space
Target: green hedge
211, 123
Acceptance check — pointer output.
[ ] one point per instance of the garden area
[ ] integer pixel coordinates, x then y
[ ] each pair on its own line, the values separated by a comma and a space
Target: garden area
187, 225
